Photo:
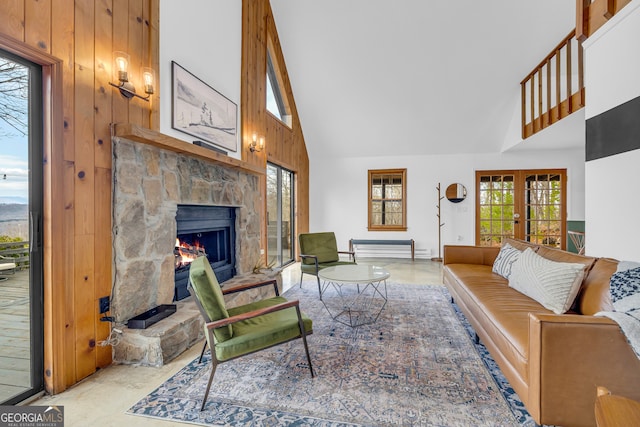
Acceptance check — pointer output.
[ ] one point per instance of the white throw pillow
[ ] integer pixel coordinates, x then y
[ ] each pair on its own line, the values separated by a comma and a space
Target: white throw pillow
552, 284
505, 259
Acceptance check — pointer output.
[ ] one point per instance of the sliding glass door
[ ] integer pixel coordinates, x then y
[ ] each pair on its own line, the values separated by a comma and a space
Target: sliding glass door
21, 283
280, 215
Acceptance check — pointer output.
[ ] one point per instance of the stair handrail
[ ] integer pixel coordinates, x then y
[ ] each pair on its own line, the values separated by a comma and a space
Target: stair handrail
543, 114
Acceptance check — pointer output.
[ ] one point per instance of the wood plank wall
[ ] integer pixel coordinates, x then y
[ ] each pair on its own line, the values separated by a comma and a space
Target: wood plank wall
81, 36
284, 145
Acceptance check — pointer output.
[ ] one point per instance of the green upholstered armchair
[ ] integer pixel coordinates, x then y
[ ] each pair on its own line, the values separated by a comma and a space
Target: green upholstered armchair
243, 330
320, 250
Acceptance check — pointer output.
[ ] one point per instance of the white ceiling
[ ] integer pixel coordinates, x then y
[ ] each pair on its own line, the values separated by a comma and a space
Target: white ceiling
414, 77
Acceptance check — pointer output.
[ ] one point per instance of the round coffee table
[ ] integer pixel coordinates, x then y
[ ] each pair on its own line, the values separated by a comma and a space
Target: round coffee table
354, 295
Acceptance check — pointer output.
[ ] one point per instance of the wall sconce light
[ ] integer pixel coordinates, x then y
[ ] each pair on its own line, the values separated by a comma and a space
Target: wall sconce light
121, 73
257, 143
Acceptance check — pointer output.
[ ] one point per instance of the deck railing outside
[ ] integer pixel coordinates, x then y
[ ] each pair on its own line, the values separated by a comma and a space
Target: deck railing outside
555, 88
17, 252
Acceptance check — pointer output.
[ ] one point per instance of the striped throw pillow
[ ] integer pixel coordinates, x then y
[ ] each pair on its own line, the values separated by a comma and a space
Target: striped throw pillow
505, 259
552, 284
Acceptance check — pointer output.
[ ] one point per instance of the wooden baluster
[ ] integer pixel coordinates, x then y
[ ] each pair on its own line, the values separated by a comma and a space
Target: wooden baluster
569, 100
582, 19
548, 122
532, 101
611, 9
558, 85
523, 101
581, 73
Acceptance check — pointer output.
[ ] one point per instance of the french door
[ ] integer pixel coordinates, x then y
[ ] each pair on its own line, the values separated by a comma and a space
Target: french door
280, 215
21, 204
523, 204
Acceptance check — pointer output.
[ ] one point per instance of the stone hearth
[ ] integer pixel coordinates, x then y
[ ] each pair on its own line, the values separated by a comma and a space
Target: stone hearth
149, 182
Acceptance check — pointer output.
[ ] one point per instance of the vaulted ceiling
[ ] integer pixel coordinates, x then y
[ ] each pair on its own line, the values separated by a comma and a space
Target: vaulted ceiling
415, 77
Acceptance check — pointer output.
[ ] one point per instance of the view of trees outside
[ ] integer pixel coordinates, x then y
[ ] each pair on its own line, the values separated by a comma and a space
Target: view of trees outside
542, 213
497, 209
14, 151
544, 209
280, 215
386, 199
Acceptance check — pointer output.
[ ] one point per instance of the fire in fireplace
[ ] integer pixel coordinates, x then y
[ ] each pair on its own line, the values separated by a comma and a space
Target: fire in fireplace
185, 253
204, 231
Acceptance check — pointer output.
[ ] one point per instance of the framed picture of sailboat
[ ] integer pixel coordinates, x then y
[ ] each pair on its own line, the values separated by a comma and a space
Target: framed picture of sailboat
201, 111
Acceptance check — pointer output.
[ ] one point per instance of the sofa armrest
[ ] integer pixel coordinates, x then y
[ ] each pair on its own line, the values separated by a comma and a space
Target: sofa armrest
458, 254
569, 357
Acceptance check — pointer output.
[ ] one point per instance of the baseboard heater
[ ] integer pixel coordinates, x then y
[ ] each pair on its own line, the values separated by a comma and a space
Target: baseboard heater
148, 318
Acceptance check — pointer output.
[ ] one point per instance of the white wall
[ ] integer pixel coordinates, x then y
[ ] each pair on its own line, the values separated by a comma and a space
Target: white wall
612, 77
208, 44
339, 193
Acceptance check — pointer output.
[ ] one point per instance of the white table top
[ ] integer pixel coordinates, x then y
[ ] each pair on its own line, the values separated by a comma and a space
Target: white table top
354, 273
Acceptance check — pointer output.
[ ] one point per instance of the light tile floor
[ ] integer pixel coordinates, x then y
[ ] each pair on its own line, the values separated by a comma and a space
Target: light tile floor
102, 399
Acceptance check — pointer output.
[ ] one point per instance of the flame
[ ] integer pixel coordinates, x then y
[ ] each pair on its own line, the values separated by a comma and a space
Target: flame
185, 253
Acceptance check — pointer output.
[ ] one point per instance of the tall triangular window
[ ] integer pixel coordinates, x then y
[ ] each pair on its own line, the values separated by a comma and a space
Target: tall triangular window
277, 102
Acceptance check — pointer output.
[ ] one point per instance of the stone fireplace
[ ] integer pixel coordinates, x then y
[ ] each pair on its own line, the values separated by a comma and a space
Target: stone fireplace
150, 182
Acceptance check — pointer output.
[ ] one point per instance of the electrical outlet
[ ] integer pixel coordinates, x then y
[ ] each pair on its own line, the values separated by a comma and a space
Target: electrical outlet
105, 305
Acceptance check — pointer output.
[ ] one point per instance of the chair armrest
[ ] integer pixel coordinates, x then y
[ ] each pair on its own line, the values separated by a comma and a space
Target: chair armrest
315, 258
251, 314
460, 254
570, 355
351, 254
242, 288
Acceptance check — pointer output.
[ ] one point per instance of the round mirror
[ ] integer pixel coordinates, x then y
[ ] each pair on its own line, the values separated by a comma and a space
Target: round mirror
456, 193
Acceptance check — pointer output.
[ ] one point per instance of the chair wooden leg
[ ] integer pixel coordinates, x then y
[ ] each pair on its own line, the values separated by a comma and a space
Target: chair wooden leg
204, 348
301, 274
214, 365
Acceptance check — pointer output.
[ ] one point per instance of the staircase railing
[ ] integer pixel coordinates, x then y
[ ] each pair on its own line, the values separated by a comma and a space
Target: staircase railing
592, 14
555, 88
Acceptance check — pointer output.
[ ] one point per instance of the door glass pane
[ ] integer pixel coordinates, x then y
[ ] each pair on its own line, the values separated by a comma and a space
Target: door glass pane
496, 209
543, 195
280, 215
272, 211
15, 298
286, 217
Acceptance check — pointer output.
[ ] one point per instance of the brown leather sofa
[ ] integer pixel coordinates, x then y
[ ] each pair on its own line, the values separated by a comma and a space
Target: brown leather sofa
554, 362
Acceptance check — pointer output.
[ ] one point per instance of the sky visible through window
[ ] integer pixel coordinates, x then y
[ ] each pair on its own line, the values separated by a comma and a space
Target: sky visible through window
272, 104
14, 141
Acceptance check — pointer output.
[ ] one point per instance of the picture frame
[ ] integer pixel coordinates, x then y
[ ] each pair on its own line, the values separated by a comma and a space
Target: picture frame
201, 111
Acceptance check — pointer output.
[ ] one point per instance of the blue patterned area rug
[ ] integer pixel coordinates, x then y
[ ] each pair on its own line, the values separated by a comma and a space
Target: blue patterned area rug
416, 366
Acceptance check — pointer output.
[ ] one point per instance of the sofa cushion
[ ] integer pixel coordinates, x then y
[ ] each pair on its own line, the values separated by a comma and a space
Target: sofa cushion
521, 245
260, 332
594, 295
559, 255
502, 312
505, 259
552, 284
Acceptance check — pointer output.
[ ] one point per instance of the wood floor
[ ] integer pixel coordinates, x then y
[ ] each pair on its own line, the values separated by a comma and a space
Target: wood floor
15, 349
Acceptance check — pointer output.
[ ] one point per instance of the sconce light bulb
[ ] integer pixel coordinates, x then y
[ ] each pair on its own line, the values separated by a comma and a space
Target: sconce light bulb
261, 145
121, 64
147, 76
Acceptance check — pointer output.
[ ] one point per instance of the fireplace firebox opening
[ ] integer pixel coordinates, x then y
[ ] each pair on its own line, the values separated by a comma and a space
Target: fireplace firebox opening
204, 231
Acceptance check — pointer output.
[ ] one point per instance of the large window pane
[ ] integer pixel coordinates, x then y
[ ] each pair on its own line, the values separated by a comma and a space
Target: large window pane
387, 199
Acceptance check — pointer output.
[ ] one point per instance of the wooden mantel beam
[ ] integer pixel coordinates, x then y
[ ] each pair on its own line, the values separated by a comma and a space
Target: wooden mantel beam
147, 136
